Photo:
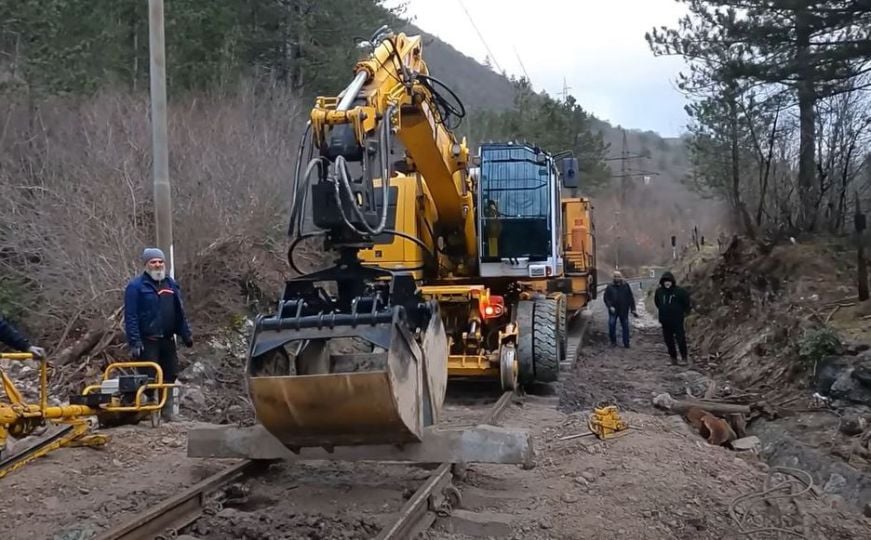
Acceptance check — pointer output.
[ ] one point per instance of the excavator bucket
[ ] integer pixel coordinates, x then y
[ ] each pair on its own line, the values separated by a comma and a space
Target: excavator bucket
347, 379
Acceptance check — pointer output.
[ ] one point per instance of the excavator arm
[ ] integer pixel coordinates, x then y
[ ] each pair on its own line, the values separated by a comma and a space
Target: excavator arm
393, 95
355, 353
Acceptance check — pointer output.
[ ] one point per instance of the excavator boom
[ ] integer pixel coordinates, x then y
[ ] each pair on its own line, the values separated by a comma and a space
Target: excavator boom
392, 93
362, 359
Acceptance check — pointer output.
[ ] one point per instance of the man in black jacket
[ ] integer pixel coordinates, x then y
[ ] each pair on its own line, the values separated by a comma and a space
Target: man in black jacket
673, 303
620, 301
13, 339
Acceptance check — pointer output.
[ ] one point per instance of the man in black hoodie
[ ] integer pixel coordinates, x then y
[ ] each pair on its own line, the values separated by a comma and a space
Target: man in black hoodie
673, 303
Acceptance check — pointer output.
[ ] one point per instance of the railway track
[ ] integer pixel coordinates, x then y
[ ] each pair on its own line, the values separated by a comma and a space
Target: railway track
434, 498
166, 519
436, 495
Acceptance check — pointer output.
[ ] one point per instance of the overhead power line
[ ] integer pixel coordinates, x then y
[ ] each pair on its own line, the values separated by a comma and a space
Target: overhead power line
525, 74
480, 36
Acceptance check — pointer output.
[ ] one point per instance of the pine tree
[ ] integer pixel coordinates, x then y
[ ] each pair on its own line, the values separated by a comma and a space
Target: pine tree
812, 49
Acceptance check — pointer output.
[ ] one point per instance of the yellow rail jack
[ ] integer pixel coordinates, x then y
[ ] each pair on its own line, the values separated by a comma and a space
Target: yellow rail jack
117, 399
605, 422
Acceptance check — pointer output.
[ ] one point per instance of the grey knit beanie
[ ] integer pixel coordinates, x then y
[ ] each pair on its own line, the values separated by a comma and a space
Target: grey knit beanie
152, 253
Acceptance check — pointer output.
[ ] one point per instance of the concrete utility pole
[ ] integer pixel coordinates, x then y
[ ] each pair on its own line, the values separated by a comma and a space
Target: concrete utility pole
160, 146
624, 157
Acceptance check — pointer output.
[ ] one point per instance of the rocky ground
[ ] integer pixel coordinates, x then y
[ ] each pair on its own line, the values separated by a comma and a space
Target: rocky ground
73, 493
659, 480
783, 323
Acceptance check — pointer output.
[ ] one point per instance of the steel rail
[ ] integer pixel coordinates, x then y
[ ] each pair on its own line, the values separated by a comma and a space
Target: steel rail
167, 518
415, 515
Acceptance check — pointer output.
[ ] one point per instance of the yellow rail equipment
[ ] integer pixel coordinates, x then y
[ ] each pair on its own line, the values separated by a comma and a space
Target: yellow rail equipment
118, 399
605, 422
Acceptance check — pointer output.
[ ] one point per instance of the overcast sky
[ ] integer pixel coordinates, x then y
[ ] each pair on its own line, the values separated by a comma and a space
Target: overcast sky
598, 46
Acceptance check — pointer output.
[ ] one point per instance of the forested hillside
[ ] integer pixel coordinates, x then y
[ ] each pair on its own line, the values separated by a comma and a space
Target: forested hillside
75, 147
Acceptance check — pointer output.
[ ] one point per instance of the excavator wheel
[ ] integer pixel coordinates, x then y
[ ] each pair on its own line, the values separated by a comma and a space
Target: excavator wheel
525, 358
508, 366
545, 340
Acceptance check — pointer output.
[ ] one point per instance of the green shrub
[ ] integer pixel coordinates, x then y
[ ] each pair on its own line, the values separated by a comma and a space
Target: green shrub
816, 344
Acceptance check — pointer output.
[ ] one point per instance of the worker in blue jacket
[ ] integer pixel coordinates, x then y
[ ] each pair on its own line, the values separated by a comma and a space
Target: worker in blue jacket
154, 315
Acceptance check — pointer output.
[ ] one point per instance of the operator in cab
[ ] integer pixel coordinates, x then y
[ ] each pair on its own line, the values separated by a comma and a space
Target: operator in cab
494, 228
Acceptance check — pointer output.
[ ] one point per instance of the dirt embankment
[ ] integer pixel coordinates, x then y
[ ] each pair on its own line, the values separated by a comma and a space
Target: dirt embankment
765, 317
782, 326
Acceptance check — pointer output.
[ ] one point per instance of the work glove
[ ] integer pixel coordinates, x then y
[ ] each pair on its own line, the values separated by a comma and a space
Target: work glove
37, 352
612, 309
188, 341
136, 351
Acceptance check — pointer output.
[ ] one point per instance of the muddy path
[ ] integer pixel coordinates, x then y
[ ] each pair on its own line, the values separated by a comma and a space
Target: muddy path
626, 377
658, 481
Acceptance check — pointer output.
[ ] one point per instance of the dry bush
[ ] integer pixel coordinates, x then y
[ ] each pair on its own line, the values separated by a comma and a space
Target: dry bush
76, 206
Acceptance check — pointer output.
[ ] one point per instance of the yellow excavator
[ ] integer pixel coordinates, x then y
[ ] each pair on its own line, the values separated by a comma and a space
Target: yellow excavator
447, 264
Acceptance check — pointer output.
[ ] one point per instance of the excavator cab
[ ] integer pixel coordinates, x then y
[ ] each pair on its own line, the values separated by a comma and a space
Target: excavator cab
519, 192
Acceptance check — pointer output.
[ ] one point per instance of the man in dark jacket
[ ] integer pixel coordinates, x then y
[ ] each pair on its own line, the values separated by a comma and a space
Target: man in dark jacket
673, 303
620, 301
13, 339
153, 316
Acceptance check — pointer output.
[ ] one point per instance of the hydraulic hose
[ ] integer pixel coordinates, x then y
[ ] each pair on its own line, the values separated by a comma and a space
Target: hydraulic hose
299, 188
343, 178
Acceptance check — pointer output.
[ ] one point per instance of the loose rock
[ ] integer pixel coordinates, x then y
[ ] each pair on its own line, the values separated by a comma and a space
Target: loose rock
852, 425
569, 497
747, 443
835, 484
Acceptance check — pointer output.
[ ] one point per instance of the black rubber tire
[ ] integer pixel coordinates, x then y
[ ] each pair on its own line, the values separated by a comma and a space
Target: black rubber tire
562, 325
545, 340
525, 360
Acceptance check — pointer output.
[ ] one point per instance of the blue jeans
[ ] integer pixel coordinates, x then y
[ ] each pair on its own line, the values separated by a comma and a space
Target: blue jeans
612, 327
